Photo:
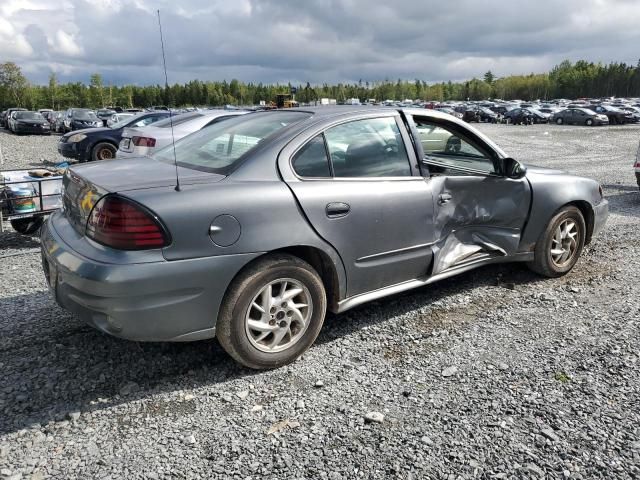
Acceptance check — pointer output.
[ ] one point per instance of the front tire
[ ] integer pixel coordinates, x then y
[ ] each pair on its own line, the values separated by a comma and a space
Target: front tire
559, 121
589, 122
560, 245
103, 151
272, 312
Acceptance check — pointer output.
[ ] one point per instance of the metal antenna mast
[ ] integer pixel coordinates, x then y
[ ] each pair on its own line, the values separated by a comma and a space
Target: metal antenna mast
166, 88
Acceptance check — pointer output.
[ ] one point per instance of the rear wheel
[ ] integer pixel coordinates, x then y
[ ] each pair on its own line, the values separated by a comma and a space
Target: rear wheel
560, 245
272, 312
27, 226
103, 151
559, 121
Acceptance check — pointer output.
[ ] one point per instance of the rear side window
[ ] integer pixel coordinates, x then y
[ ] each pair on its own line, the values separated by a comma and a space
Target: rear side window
368, 148
312, 160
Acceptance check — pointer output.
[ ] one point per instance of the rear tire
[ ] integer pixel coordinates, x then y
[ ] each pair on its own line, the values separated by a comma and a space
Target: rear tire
103, 151
559, 247
559, 121
253, 314
27, 226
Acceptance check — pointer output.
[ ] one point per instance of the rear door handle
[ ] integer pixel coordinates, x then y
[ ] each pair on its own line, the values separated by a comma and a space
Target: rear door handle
444, 198
337, 209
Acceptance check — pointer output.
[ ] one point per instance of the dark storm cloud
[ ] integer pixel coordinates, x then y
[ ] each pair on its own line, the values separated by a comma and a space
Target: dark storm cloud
314, 40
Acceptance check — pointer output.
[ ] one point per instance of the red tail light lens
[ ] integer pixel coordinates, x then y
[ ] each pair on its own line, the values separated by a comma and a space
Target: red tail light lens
144, 141
123, 224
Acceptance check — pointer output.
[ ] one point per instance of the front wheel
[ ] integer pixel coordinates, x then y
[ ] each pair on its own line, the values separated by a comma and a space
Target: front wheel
559, 121
103, 151
560, 245
272, 312
589, 122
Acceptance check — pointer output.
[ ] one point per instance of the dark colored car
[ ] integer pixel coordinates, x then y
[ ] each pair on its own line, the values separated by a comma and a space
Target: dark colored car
282, 215
526, 116
79, 118
102, 143
104, 114
30, 122
615, 115
500, 109
4, 118
579, 116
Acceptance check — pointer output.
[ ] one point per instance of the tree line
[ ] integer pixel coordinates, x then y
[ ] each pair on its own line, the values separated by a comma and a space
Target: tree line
566, 80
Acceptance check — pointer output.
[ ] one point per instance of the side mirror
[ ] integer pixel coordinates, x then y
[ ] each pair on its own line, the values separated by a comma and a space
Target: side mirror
513, 169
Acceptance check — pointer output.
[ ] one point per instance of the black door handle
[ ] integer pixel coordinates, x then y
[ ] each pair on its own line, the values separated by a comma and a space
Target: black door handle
337, 209
444, 198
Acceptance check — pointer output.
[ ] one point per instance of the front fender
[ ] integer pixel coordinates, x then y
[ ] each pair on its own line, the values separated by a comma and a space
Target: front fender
551, 191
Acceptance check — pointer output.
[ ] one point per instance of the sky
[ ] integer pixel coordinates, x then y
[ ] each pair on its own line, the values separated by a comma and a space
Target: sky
311, 40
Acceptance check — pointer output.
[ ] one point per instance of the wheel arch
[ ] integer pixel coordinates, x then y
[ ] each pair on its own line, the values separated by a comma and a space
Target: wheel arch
589, 217
332, 277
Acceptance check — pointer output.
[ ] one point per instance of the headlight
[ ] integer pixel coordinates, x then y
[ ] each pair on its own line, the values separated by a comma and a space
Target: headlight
78, 137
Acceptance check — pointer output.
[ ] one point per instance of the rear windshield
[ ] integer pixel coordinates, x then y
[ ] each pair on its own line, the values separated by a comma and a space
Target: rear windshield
217, 148
177, 119
29, 116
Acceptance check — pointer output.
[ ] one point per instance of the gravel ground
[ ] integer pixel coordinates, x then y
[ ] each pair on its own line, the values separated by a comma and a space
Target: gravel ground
496, 373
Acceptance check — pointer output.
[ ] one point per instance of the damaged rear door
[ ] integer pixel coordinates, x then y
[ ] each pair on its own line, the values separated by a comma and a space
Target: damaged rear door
479, 213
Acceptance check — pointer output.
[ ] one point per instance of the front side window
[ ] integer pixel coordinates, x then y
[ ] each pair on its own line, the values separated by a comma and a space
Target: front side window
449, 151
368, 148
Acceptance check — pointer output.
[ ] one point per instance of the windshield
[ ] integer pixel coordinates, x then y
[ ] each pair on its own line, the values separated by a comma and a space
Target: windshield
177, 119
217, 148
123, 120
84, 115
29, 116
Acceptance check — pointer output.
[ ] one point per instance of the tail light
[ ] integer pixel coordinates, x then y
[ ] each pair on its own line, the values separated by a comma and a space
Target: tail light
144, 141
120, 223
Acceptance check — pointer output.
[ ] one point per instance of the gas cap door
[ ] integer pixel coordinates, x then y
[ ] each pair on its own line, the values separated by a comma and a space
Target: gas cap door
225, 230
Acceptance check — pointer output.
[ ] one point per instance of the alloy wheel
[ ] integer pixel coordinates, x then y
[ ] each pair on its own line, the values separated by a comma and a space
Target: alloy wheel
278, 315
564, 243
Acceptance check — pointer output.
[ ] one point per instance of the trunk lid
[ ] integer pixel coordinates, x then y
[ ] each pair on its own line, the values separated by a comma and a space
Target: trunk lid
85, 185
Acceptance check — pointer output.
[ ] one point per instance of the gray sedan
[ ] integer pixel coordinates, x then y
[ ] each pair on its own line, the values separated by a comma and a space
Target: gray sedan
266, 221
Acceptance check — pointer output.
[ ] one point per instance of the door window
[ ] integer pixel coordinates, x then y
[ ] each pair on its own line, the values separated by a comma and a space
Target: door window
368, 148
312, 160
449, 151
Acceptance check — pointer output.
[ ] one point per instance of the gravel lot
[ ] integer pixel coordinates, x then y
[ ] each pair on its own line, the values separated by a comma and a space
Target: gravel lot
493, 374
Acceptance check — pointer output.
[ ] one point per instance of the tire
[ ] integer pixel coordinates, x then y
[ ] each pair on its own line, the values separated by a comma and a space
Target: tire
559, 121
27, 226
245, 345
589, 122
550, 264
103, 151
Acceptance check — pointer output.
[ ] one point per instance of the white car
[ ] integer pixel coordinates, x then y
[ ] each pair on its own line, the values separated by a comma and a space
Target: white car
118, 117
143, 141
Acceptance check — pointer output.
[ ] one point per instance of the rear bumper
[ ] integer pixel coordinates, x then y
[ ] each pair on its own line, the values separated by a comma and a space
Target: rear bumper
153, 301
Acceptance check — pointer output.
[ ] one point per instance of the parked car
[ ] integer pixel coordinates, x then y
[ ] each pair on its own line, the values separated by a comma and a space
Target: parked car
102, 143
615, 115
579, 116
105, 114
526, 116
57, 122
138, 142
4, 120
118, 117
78, 118
282, 215
636, 167
634, 111
29, 122
450, 111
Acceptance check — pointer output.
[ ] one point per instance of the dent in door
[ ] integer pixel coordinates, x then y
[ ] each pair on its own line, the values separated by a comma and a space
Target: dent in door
483, 217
